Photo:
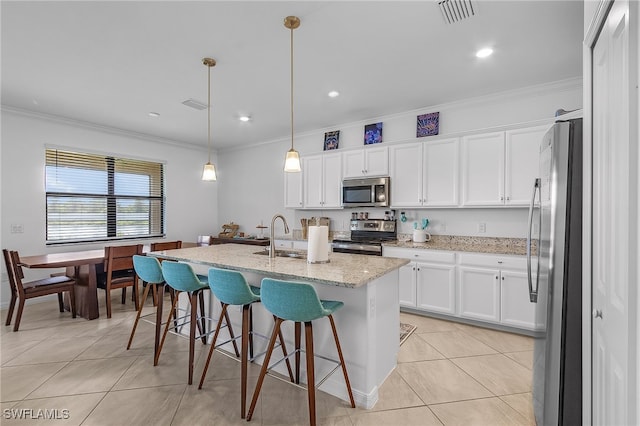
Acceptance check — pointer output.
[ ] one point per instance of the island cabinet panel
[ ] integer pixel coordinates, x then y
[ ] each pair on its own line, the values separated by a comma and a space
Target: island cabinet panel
365, 162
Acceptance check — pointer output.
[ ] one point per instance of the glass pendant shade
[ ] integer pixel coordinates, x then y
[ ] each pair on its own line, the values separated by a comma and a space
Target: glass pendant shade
209, 173
292, 161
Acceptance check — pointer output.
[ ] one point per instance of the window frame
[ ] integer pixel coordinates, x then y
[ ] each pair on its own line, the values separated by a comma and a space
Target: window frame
114, 165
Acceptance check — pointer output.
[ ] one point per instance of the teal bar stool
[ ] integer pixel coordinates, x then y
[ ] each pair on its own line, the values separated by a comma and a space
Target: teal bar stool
181, 278
232, 289
149, 271
298, 302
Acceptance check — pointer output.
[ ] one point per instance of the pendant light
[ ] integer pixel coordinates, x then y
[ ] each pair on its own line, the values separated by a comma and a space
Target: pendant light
209, 172
292, 160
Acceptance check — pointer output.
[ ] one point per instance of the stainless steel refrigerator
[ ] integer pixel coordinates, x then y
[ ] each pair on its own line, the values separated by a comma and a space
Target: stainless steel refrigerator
555, 276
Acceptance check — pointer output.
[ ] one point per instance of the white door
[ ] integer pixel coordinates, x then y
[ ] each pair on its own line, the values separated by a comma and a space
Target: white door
614, 203
436, 287
332, 180
521, 163
406, 171
293, 190
353, 163
515, 307
376, 161
312, 182
407, 285
441, 173
479, 295
483, 169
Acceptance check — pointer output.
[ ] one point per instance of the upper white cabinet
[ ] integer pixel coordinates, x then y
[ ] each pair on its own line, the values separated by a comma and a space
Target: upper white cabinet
521, 163
424, 174
483, 169
322, 181
499, 168
293, 190
369, 161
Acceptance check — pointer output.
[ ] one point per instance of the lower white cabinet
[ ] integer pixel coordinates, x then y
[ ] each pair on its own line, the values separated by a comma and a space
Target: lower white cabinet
480, 287
429, 281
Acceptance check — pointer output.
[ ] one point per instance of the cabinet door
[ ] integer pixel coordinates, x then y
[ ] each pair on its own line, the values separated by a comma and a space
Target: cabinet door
436, 287
406, 175
293, 190
515, 307
332, 180
440, 186
407, 285
479, 293
483, 169
353, 163
376, 161
521, 164
312, 182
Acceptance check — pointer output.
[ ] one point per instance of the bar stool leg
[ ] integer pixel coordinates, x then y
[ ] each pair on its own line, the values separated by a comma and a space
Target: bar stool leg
298, 330
344, 367
159, 290
265, 366
246, 319
192, 330
172, 313
311, 380
213, 344
135, 323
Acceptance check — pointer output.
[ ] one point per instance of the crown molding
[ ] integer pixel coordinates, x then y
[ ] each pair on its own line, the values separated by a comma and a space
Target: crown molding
98, 127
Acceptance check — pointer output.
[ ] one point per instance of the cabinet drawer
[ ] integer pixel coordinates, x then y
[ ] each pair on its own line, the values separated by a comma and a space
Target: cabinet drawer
420, 255
494, 261
284, 244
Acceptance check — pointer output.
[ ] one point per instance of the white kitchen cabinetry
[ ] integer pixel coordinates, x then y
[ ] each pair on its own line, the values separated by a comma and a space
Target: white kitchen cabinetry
322, 181
429, 281
495, 288
424, 174
369, 161
499, 168
521, 163
293, 190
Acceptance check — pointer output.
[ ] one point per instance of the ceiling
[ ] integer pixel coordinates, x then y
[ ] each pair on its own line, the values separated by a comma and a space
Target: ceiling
111, 63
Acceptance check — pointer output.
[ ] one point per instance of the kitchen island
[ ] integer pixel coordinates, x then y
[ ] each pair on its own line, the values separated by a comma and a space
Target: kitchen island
368, 324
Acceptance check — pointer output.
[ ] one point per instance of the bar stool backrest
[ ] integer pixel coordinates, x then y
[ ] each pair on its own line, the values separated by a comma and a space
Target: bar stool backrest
180, 276
289, 300
148, 269
231, 287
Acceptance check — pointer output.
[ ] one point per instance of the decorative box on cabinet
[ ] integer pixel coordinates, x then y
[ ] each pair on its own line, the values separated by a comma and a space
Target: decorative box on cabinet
368, 161
322, 181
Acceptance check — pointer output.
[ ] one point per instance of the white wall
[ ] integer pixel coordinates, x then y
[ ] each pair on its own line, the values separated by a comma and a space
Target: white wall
191, 203
251, 182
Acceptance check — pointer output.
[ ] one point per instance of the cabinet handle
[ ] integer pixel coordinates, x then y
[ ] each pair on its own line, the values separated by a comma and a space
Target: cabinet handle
414, 268
418, 269
496, 277
502, 278
500, 262
362, 171
508, 198
415, 255
501, 198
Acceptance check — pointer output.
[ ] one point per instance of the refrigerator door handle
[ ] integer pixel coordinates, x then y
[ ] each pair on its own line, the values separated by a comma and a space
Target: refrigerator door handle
533, 293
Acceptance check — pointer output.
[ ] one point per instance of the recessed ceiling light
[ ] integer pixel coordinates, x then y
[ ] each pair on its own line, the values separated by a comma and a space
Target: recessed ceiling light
244, 118
333, 94
483, 53
154, 114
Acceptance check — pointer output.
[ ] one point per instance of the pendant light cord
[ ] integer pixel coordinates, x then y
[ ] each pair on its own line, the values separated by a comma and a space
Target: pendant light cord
292, 88
209, 111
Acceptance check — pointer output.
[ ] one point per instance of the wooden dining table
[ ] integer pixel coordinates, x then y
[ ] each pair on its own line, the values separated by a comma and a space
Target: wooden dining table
81, 265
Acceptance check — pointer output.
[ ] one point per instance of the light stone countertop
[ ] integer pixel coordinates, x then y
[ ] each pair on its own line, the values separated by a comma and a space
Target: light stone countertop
345, 270
489, 245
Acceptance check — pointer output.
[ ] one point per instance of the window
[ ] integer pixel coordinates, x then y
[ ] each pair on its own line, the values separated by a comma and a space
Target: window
96, 197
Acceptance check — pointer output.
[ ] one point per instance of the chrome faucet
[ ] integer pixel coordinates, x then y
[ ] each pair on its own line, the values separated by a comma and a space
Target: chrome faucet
272, 246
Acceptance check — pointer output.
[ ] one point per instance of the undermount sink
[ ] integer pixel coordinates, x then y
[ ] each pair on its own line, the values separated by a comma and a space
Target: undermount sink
285, 253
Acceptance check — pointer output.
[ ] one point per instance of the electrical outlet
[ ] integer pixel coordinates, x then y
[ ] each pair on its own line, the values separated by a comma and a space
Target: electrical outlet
17, 229
482, 227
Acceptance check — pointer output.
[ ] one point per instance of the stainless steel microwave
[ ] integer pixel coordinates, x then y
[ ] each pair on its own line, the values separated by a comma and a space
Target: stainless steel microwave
365, 192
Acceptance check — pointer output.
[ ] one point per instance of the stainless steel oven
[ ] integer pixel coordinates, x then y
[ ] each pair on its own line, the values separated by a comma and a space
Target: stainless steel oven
367, 237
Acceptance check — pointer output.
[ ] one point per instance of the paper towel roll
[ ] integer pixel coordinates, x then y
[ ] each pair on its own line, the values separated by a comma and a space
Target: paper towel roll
318, 248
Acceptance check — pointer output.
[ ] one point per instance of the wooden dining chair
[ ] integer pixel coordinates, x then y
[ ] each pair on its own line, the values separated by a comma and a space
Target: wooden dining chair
21, 291
119, 272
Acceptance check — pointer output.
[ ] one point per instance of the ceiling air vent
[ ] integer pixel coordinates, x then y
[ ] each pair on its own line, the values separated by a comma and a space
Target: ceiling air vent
456, 10
194, 104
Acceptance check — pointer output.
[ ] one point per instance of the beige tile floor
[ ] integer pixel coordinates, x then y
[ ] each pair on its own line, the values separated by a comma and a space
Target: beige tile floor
448, 374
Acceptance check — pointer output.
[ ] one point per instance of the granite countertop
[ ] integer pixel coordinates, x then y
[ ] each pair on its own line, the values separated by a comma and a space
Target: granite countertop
489, 245
345, 270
